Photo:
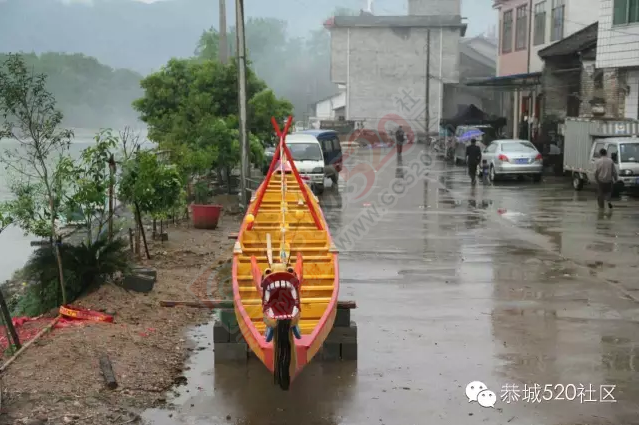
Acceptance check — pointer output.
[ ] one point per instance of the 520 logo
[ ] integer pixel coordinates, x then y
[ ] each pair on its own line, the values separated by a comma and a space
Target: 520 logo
368, 163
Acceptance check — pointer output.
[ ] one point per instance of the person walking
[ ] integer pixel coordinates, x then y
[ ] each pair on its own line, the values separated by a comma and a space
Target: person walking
605, 176
473, 158
400, 137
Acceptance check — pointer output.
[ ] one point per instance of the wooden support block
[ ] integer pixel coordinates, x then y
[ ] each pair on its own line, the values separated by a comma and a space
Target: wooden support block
330, 352
342, 318
343, 335
221, 333
226, 352
346, 304
251, 354
349, 351
233, 236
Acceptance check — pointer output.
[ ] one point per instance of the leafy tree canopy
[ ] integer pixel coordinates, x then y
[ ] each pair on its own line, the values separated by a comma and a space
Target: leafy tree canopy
191, 108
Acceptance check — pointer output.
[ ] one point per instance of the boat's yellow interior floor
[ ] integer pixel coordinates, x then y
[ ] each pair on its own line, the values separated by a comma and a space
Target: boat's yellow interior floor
302, 236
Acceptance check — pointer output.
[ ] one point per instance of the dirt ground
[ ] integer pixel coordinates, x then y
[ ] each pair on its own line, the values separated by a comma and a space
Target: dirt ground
58, 379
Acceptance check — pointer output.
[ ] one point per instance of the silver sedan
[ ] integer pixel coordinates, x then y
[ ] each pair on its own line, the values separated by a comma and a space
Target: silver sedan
513, 158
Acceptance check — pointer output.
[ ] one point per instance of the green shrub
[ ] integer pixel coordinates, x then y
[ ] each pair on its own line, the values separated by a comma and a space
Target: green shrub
85, 267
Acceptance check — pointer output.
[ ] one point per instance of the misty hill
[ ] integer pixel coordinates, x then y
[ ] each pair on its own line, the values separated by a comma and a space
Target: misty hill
89, 94
137, 35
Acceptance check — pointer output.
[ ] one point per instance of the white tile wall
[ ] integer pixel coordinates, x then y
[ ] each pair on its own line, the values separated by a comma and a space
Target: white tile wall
578, 14
632, 99
617, 46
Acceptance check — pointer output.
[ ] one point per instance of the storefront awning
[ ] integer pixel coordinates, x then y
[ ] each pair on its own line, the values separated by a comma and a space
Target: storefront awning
513, 82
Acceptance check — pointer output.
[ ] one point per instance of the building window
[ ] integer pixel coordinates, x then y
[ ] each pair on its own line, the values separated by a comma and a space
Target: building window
625, 12
557, 17
540, 23
522, 28
507, 32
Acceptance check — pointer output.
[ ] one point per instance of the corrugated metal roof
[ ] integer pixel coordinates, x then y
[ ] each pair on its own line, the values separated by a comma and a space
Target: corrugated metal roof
436, 21
572, 44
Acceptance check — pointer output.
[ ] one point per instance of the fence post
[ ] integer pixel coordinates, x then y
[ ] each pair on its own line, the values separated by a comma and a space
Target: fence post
111, 197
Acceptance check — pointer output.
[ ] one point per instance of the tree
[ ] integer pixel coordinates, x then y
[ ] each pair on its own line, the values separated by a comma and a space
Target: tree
90, 188
150, 187
40, 163
191, 108
5, 218
129, 142
261, 108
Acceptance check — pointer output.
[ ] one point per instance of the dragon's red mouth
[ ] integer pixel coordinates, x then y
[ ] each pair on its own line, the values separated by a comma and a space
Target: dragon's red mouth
281, 300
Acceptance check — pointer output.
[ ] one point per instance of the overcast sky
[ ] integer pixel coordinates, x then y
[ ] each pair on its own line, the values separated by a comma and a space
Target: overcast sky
480, 14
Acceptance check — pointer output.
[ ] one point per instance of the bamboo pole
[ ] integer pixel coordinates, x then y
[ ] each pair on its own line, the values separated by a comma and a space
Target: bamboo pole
28, 344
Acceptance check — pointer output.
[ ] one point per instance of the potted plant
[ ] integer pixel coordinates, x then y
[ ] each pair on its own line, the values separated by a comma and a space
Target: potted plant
204, 214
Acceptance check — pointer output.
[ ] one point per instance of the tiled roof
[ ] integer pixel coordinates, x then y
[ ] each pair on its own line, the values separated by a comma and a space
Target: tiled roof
574, 43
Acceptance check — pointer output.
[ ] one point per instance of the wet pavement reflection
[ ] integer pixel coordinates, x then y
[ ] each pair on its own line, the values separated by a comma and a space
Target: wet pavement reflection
518, 283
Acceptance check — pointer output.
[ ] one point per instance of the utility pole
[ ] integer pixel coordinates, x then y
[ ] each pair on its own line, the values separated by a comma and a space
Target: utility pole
224, 45
427, 84
241, 64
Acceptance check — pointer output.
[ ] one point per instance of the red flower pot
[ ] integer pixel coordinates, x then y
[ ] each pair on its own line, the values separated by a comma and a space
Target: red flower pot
205, 216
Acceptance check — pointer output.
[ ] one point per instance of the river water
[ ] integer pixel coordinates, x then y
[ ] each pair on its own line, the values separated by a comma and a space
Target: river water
14, 245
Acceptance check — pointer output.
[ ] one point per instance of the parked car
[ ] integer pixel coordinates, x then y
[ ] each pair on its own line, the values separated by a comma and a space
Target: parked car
269, 153
513, 158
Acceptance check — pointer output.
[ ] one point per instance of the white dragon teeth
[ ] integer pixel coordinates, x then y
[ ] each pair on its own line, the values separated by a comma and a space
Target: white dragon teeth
295, 311
267, 295
294, 293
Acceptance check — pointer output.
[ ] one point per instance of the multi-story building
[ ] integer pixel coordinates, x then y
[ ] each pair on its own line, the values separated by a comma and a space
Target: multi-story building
382, 62
526, 27
618, 56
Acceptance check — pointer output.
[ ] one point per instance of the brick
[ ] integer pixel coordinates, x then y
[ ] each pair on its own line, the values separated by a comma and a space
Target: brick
343, 317
342, 335
221, 333
230, 352
330, 352
349, 351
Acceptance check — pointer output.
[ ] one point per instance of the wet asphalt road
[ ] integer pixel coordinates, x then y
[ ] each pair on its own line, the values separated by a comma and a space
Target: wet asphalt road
512, 284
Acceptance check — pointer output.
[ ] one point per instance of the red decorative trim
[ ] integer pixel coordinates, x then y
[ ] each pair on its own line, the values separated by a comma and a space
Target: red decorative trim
282, 145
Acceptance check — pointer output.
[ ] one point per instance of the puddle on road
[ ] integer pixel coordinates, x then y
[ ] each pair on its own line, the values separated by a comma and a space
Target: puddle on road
244, 393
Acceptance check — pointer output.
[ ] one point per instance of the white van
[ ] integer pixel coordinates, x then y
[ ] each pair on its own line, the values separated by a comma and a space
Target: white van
308, 158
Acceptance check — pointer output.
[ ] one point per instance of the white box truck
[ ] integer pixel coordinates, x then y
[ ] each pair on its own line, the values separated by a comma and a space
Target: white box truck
585, 137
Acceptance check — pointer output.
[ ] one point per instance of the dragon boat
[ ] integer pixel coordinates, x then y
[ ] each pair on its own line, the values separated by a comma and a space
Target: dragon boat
285, 270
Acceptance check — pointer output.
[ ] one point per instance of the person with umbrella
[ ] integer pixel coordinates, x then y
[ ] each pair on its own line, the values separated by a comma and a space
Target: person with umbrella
473, 158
